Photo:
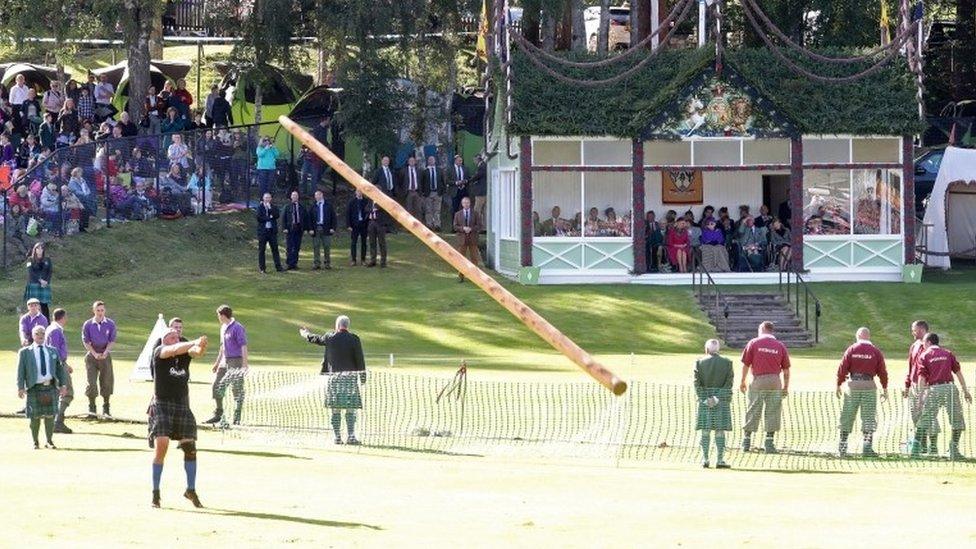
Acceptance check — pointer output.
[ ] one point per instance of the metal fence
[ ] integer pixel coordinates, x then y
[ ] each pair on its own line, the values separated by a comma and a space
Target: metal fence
104, 182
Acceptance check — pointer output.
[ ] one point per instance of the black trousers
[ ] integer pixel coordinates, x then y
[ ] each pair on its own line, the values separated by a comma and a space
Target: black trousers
268, 237
293, 244
377, 236
358, 234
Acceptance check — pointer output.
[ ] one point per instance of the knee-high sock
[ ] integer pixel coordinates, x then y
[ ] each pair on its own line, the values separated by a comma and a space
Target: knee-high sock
49, 428
956, 435
720, 445
35, 426
351, 422
337, 423
191, 474
157, 474
706, 441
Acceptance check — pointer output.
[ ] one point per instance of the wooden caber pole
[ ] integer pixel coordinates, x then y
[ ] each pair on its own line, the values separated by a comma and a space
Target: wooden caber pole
523, 312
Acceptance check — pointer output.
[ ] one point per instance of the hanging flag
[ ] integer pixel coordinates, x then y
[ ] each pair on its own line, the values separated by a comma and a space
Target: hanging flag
885, 24
482, 46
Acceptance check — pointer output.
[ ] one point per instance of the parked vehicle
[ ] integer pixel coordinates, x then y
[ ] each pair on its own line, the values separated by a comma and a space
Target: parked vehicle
619, 38
926, 170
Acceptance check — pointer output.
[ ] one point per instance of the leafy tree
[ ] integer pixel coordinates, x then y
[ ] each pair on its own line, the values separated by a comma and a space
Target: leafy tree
62, 20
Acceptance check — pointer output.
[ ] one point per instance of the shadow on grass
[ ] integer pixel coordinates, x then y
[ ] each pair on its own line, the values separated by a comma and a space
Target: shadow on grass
253, 454
790, 471
429, 451
63, 449
283, 518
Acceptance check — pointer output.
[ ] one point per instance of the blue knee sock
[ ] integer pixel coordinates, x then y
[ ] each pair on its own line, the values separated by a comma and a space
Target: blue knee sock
191, 474
157, 474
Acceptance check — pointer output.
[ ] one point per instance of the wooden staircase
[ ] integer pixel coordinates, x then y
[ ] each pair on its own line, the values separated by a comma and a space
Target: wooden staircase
747, 310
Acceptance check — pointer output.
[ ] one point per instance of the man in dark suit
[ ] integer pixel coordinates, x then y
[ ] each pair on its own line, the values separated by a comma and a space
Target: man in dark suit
431, 187
295, 220
385, 179
410, 185
268, 232
479, 186
357, 221
467, 225
322, 224
378, 222
345, 365
460, 179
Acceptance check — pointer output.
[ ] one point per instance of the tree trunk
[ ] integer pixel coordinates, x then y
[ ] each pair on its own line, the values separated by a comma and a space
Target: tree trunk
965, 78
156, 39
579, 29
603, 36
137, 35
548, 30
564, 34
258, 100
643, 18
634, 22
530, 22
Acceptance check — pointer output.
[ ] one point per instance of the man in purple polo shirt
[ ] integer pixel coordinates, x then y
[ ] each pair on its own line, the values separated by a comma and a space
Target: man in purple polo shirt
98, 336
54, 337
231, 364
31, 318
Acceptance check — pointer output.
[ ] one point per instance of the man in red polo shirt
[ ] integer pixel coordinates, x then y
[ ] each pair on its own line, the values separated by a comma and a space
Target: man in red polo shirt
917, 402
936, 367
767, 357
862, 361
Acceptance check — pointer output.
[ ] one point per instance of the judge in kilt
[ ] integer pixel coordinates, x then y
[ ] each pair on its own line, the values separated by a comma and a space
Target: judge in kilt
713, 387
41, 378
169, 411
346, 368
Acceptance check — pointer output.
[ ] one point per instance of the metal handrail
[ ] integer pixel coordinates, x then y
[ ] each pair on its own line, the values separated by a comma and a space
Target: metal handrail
793, 287
702, 282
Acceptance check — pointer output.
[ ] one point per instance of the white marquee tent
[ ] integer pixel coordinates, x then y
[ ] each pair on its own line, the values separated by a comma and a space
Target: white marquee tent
950, 218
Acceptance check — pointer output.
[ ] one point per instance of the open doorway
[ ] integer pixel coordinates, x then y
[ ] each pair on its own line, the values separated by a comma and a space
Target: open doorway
776, 195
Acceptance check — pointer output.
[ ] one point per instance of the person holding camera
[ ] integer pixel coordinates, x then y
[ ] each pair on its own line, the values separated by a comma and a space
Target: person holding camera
267, 155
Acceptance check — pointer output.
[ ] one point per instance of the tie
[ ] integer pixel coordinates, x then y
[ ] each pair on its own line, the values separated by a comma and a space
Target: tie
43, 361
457, 172
372, 213
321, 213
389, 181
433, 180
413, 180
467, 223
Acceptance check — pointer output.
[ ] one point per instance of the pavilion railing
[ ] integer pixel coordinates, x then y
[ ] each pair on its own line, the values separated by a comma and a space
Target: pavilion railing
791, 289
703, 286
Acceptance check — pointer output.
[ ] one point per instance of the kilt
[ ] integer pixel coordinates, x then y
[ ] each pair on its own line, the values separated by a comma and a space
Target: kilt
342, 391
43, 294
171, 419
718, 418
34, 407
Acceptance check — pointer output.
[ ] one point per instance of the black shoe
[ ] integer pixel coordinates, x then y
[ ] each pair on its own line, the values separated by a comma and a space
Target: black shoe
60, 427
353, 441
37, 446
264, 272
92, 410
215, 419
328, 267
352, 263
338, 440
50, 445
192, 496
279, 269
155, 500
371, 264
704, 465
105, 412
316, 268
722, 465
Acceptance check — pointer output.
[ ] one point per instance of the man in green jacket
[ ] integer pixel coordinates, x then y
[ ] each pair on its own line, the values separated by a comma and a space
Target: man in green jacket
41, 377
713, 387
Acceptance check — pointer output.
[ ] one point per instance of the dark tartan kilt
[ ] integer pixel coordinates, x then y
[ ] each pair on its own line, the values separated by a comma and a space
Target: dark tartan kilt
343, 391
171, 419
34, 408
36, 291
718, 418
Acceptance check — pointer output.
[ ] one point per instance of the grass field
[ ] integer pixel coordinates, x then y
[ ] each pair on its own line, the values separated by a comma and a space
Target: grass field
260, 495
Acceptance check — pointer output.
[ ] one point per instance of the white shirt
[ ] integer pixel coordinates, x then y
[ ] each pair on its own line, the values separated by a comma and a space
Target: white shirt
104, 92
37, 361
18, 94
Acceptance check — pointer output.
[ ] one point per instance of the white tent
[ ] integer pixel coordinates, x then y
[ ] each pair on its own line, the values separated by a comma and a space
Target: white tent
950, 217
143, 367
